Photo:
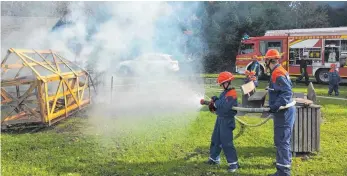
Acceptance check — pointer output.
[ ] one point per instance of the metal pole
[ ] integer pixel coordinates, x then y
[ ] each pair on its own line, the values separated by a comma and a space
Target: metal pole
111, 88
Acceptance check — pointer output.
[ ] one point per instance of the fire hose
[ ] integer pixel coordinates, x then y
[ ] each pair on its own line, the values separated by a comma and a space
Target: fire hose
251, 110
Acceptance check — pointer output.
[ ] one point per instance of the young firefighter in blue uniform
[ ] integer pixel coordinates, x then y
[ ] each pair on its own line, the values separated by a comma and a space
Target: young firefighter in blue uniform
222, 137
254, 66
280, 94
334, 80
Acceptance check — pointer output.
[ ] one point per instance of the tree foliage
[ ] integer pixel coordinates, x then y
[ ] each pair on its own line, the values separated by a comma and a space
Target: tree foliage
225, 22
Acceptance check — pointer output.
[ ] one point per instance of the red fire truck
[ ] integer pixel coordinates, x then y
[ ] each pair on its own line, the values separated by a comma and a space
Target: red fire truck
322, 46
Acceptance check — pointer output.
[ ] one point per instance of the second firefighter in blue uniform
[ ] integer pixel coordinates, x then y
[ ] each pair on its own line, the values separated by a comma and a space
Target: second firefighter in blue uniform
280, 94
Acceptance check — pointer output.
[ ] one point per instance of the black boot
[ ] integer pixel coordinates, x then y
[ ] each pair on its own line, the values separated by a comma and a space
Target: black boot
233, 167
211, 162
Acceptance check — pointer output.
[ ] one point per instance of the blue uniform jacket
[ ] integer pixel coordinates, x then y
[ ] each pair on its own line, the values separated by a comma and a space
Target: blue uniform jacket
334, 77
280, 92
227, 99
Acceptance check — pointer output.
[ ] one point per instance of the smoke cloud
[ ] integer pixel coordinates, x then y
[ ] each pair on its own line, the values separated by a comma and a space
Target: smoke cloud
148, 39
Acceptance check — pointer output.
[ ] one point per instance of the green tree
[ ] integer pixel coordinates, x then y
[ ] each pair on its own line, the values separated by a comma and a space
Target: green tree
228, 21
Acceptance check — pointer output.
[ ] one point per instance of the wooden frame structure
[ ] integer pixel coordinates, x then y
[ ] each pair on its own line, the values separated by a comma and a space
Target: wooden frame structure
40, 87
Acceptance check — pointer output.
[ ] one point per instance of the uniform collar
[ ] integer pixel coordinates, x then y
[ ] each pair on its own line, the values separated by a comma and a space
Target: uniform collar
226, 90
276, 66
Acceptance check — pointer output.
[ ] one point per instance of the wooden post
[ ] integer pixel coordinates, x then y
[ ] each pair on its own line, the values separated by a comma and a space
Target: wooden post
41, 101
111, 88
18, 97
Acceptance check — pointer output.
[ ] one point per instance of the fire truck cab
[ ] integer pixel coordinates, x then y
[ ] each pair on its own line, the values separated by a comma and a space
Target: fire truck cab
321, 46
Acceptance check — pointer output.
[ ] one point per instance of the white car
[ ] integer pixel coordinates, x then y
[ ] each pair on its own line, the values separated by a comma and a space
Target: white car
148, 64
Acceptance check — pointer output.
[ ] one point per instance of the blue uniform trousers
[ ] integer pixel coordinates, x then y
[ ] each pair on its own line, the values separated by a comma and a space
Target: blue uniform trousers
283, 126
222, 138
333, 87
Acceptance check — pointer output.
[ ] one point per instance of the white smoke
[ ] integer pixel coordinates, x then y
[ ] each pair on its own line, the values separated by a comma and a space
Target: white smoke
125, 30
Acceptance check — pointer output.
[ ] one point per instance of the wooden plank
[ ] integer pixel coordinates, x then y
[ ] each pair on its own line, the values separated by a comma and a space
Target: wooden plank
55, 60
17, 81
16, 66
43, 58
318, 128
68, 109
32, 68
32, 111
65, 101
42, 65
304, 130
309, 130
292, 138
41, 99
65, 75
300, 130
47, 101
22, 98
5, 98
5, 58
56, 97
314, 130
29, 51
296, 127
83, 88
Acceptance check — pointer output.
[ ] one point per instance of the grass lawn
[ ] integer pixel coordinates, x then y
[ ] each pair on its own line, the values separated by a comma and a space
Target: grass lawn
166, 144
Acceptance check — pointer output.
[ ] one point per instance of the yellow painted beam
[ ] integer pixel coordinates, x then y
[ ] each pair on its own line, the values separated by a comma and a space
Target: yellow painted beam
66, 75
56, 97
14, 66
83, 88
65, 101
46, 61
47, 101
29, 51
26, 62
68, 109
44, 66
73, 95
65, 92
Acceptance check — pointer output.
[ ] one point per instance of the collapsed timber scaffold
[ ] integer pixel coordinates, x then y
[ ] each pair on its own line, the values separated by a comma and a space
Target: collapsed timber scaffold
40, 87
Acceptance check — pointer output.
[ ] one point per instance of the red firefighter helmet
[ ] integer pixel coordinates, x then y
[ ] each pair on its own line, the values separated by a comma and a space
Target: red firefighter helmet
224, 77
272, 54
333, 66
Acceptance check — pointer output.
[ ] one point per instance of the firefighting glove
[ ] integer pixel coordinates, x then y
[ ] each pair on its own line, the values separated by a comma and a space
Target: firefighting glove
211, 107
214, 98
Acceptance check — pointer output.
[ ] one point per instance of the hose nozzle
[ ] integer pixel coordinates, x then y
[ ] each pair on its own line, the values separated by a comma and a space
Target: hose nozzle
204, 102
